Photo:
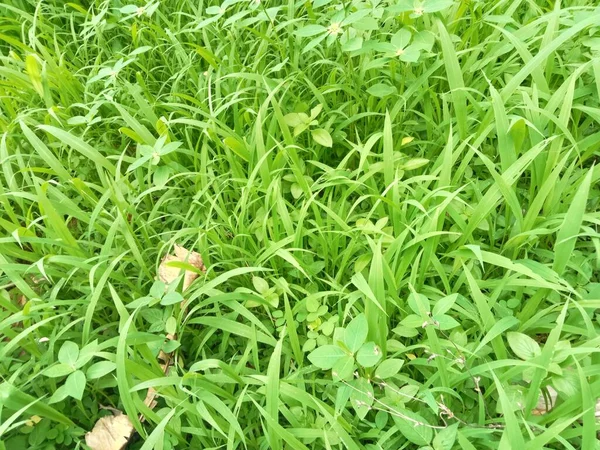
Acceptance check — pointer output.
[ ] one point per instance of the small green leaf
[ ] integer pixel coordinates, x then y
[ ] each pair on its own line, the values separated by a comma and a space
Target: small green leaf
412, 321
100, 369
356, 333
381, 90
413, 427
68, 353
368, 355
59, 395
312, 304
161, 176
75, 384
158, 289
170, 346
343, 368
58, 370
260, 285
381, 419
296, 190
171, 298
316, 111
419, 304
444, 304
444, 439
522, 345
326, 356
388, 368
295, 119
446, 322
322, 137
327, 328
171, 325
353, 44
309, 345
310, 30
361, 396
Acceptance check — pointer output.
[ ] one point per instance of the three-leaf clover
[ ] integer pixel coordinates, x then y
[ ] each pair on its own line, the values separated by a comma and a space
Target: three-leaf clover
152, 154
405, 52
342, 356
300, 122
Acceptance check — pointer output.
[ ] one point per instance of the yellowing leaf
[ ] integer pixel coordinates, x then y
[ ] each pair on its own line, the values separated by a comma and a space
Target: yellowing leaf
167, 273
407, 140
33, 70
110, 433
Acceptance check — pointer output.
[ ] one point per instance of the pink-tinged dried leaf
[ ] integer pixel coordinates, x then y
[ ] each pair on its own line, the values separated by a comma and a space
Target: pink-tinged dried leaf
110, 433
545, 402
598, 409
167, 274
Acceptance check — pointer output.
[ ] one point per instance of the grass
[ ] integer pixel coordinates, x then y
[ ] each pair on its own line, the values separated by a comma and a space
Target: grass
396, 204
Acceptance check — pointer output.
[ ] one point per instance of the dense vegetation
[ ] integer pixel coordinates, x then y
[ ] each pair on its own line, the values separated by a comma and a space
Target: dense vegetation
395, 203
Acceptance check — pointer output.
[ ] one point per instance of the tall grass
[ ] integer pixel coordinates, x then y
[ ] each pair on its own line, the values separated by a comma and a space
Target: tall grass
402, 192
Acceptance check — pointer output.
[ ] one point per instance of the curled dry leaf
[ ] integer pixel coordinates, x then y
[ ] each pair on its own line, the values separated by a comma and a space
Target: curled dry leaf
546, 402
110, 433
167, 274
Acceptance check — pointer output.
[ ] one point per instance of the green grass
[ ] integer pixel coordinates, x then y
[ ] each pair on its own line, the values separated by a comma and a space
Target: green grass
396, 203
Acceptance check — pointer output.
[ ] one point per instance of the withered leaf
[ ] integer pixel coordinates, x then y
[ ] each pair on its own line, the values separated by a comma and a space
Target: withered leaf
110, 433
167, 274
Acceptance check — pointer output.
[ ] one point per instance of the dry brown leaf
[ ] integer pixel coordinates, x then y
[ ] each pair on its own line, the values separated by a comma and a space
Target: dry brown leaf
545, 402
168, 274
150, 400
110, 433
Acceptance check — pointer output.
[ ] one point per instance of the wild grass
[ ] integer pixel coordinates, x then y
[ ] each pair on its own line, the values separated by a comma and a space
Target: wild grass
396, 203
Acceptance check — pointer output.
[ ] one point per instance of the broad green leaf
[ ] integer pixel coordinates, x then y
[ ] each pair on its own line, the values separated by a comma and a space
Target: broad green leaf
326, 356
75, 384
361, 396
356, 332
161, 176
381, 90
368, 355
444, 304
295, 119
353, 44
58, 370
445, 322
100, 369
522, 345
322, 137
312, 304
171, 298
445, 439
413, 427
419, 304
68, 353
343, 369
260, 284
310, 30
388, 368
